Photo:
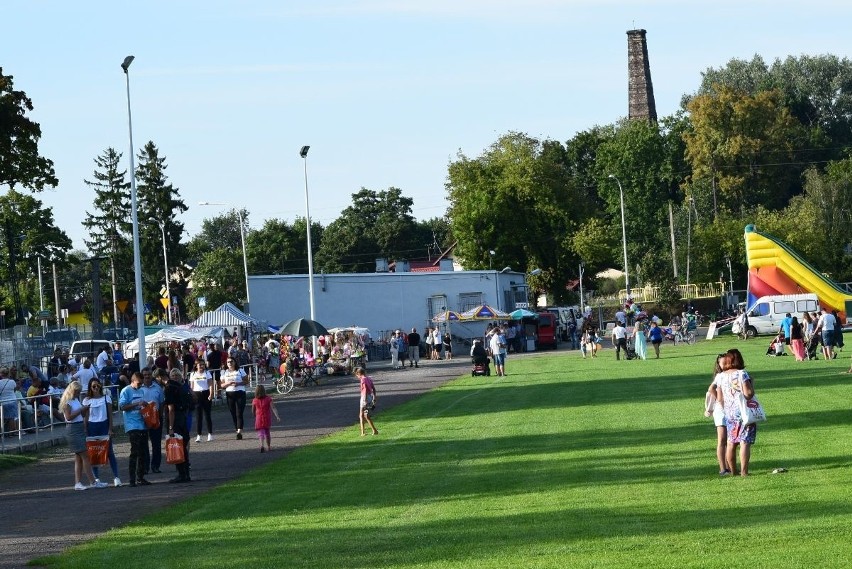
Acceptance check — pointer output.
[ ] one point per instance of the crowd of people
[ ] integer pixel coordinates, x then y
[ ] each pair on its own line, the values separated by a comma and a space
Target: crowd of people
816, 330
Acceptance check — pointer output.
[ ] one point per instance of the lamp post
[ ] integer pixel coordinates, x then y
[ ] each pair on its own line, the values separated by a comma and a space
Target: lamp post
582, 308
491, 254
134, 214
166, 267
243, 242
304, 154
623, 236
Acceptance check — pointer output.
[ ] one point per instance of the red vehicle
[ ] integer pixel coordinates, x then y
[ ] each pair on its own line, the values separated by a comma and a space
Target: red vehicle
546, 330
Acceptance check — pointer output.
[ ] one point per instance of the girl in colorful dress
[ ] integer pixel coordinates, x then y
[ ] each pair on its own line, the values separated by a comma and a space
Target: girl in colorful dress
263, 409
735, 380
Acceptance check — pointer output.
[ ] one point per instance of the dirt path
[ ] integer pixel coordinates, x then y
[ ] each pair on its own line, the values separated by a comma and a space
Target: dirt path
41, 511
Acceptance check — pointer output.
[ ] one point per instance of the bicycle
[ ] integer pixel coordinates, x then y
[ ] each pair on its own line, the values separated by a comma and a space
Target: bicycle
283, 384
687, 337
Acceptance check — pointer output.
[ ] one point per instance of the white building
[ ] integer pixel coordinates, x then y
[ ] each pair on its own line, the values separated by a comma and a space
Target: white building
386, 301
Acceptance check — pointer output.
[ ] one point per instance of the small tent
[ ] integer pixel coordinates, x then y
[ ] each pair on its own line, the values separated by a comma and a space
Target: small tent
226, 315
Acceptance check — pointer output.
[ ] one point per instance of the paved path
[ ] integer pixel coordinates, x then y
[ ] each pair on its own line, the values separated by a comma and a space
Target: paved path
41, 513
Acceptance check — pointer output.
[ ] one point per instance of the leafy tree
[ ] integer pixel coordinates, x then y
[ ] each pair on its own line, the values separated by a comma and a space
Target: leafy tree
377, 224
216, 252
281, 248
736, 144
29, 232
518, 182
20, 162
158, 201
645, 158
816, 89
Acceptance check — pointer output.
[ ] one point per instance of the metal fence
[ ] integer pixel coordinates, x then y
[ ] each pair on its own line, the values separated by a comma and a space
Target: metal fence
33, 425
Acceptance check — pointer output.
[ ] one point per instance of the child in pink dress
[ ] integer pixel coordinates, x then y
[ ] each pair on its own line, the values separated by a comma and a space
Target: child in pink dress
263, 410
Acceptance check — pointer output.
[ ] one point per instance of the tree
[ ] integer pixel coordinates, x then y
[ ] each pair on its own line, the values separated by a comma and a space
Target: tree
816, 89
646, 159
216, 252
20, 162
376, 225
109, 229
518, 182
158, 202
29, 233
281, 248
743, 146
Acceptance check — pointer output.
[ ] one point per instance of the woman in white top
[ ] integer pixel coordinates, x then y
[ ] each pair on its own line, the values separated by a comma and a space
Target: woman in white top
201, 383
232, 380
84, 375
75, 434
99, 410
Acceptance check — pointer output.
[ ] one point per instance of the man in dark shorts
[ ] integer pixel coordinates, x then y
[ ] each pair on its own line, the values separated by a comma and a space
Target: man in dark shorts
414, 348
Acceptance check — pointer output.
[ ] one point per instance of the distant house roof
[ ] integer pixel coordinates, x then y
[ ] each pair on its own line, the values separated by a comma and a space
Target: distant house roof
426, 265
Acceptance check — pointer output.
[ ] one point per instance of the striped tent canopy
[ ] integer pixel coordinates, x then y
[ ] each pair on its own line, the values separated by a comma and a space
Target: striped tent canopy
484, 312
225, 315
447, 316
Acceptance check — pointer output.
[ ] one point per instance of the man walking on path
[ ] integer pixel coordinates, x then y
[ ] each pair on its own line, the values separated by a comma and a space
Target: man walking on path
414, 348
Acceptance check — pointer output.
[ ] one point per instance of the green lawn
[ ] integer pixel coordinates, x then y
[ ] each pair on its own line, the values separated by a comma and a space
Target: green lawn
564, 463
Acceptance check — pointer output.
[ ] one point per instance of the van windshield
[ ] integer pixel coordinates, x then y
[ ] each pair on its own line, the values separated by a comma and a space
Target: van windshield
761, 309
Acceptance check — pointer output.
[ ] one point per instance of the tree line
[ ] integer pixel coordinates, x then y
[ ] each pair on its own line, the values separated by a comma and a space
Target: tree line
754, 143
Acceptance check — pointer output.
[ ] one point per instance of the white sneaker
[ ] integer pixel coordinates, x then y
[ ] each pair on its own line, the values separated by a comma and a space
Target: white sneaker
198, 438
209, 437
116, 482
99, 484
80, 486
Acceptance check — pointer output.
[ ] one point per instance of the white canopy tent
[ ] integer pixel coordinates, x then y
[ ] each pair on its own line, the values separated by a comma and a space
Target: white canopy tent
174, 334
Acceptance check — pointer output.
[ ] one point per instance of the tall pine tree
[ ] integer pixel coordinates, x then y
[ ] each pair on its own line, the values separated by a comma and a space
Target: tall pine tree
158, 201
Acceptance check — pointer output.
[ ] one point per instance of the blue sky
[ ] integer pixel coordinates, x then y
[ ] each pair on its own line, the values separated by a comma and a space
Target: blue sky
385, 92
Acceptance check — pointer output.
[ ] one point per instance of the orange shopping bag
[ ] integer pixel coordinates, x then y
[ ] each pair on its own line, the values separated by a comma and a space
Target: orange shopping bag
98, 449
151, 415
174, 450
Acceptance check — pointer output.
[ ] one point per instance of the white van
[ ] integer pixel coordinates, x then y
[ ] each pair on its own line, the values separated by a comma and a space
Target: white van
765, 315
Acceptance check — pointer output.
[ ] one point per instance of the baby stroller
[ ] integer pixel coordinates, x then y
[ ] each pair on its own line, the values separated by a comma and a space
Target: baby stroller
813, 346
776, 347
479, 358
481, 367
631, 350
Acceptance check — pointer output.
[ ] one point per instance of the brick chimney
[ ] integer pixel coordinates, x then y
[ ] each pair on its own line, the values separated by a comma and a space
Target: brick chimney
640, 90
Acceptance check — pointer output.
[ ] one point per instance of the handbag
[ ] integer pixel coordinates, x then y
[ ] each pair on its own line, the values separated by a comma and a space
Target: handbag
98, 449
750, 410
175, 453
150, 415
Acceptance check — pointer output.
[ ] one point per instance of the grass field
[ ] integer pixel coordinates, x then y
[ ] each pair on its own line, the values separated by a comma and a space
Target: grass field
564, 463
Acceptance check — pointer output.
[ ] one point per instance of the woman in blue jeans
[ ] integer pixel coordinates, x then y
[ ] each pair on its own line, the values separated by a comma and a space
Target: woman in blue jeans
99, 424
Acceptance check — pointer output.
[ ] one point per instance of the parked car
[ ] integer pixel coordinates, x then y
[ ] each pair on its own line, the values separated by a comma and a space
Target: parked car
546, 331
118, 334
90, 349
61, 336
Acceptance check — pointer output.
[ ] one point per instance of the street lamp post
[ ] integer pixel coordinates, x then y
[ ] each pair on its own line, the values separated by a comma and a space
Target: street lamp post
162, 225
582, 308
623, 236
243, 242
304, 154
134, 214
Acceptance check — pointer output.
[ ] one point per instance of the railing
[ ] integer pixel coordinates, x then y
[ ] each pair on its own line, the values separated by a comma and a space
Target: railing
29, 419
650, 293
